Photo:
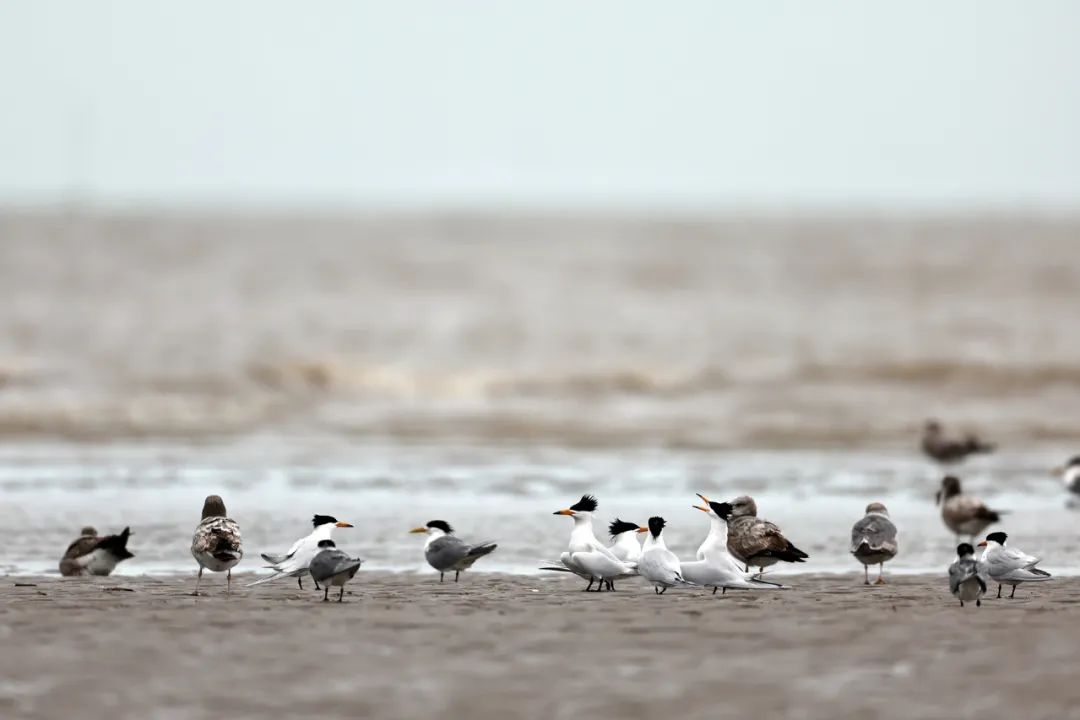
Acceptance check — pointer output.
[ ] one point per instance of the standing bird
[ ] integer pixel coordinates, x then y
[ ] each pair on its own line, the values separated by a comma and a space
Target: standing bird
624, 543
964, 514
216, 542
331, 566
754, 541
714, 566
944, 449
91, 554
965, 576
444, 552
1009, 566
1070, 475
586, 556
295, 562
659, 565
873, 540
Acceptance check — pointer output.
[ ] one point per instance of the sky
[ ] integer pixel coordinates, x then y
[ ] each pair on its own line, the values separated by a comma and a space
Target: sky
508, 103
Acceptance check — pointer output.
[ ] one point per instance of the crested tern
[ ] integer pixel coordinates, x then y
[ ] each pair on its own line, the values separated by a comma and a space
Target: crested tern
445, 552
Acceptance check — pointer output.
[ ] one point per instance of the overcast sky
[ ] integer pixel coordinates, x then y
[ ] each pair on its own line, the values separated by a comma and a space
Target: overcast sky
549, 103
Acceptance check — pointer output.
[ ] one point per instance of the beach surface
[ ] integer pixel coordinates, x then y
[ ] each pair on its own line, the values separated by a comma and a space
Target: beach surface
499, 646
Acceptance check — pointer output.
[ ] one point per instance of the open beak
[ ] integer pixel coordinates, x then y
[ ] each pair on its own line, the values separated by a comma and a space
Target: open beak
982, 544
344, 524
563, 512
703, 498
702, 509
418, 530
641, 530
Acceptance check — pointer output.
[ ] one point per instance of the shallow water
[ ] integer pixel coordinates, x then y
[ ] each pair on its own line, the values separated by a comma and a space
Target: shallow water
507, 494
489, 370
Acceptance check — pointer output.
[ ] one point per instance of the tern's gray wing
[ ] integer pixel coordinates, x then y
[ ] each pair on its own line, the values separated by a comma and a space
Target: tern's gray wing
445, 552
875, 531
961, 571
329, 563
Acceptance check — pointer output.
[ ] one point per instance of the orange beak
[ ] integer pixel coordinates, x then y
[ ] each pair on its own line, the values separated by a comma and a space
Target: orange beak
343, 524
563, 512
982, 544
641, 530
418, 530
699, 507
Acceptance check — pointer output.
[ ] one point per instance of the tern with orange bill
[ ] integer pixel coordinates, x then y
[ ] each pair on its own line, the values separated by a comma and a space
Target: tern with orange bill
586, 556
714, 566
297, 560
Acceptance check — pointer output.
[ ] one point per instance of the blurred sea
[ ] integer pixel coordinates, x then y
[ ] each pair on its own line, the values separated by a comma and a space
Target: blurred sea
487, 370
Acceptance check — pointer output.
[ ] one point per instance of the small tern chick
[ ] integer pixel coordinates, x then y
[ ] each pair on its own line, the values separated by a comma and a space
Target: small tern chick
216, 543
445, 552
331, 566
966, 581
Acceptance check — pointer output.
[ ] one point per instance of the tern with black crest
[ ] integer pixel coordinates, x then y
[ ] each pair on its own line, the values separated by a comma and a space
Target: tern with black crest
1007, 565
92, 554
296, 561
445, 552
216, 544
714, 566
659, 565
588, 557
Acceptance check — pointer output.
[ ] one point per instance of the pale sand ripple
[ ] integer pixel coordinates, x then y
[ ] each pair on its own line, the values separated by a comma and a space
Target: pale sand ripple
497, 646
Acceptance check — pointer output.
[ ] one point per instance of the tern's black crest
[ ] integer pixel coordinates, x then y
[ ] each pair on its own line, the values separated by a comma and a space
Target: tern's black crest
327, 544
722, 509
964, 549
322, 520
656, 525
442, 525
998, 537
587, 503
617, 527
1073, 461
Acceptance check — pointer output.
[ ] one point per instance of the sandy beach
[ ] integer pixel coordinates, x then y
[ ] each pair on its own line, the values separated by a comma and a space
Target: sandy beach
497, 646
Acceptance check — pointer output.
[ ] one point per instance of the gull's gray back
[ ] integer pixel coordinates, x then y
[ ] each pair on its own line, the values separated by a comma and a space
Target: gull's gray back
877, 530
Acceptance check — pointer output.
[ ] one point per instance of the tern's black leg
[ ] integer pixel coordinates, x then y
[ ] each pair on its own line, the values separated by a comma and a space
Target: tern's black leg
724, 591
591, 581
961, 603
457, 574
747, 569
999, 591
440, 577
341, 595
1012, 593
656, 590
664, 590
978, 602
324, 593
611, 586
300, 581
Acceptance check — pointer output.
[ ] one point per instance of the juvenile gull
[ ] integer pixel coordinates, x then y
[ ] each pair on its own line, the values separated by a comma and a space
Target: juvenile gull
216, 544
714, 566
659, 565
753, 541
92, 554
964, 514
331, 566
1070, 475
944, 449
445, 552
873, 540
295, 562
966, 581
1009, 566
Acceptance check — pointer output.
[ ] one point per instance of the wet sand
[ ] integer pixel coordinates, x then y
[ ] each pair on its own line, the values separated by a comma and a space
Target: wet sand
499, 646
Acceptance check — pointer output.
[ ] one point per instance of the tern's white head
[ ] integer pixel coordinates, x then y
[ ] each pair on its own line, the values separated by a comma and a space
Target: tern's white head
582, 510
993, 540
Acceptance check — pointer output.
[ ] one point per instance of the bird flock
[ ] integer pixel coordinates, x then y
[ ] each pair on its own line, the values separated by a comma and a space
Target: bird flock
738, 541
